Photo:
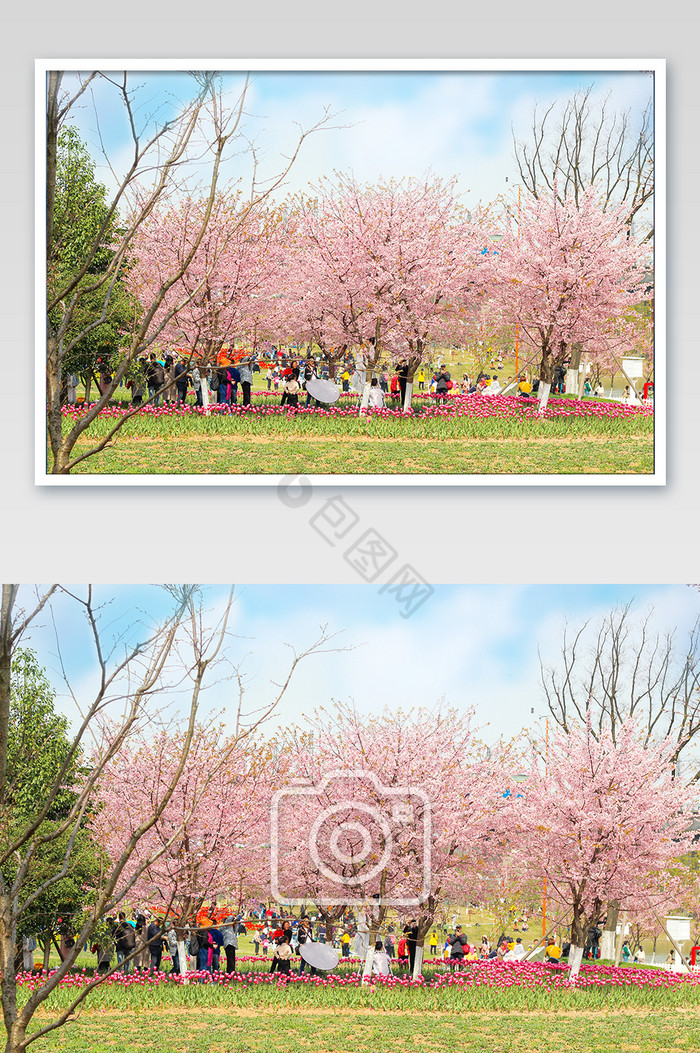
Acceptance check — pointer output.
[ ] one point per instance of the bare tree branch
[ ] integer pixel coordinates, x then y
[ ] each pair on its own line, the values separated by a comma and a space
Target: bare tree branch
176, 139
622, 668
587, 145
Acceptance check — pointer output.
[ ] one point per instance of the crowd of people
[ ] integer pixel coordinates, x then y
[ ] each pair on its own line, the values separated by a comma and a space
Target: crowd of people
211, 946
174, 378
140, 942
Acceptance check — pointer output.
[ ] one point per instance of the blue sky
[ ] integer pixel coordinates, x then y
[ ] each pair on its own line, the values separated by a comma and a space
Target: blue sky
476, 646
388, 124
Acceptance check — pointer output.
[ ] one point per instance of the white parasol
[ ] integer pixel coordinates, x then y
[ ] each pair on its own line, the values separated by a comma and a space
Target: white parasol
320, 955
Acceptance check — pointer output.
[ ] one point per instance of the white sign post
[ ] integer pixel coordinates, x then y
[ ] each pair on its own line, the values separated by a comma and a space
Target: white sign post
678, 931
633, 366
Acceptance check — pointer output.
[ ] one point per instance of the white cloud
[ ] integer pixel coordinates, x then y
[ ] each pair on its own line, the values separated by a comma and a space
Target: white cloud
457, 124
476, 646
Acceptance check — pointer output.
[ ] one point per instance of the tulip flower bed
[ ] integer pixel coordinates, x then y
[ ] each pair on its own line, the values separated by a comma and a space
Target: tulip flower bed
463, 434
492, 985
475, 415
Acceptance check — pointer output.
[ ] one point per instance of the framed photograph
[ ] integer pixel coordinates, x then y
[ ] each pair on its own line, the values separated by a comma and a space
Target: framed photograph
382, 272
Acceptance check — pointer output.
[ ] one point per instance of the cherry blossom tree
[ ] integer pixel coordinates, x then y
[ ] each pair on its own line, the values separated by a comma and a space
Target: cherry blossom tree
206, 834
155, 174
394, 810
388, 262
307, 300
235, 267
566, 273
628, 670
213, 826
602, 819
136, 691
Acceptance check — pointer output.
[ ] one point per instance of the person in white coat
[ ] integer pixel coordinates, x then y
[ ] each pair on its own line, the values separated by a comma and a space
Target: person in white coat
376, 395
380, 962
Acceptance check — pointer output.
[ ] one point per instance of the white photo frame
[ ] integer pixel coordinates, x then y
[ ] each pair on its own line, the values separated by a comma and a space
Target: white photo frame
657, 67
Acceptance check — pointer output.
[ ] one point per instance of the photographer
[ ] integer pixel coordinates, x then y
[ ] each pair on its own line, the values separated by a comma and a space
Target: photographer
310, 374
246, 376
304, 935
124, 941
411, 934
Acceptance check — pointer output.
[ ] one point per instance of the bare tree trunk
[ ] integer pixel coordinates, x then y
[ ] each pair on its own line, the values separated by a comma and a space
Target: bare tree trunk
376, 920
47, 948
543, 393
620, 939
369, 957
579, 931
607, 942
575, 959
418, 960
371, 366
572, 373
8, 939
330, 915
364, 401
546, 377
182, 958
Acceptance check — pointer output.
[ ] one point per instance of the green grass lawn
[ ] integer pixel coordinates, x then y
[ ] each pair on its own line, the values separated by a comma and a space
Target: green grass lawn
226, 1031
345, 456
